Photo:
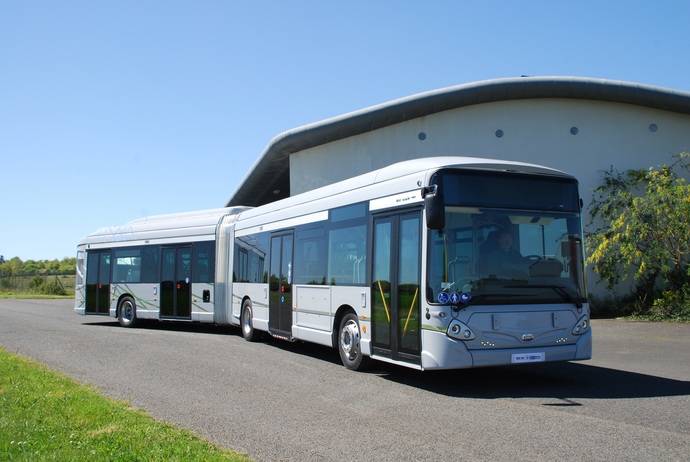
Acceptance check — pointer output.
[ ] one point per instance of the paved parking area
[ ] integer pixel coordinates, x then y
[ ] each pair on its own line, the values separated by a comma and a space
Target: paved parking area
281, 401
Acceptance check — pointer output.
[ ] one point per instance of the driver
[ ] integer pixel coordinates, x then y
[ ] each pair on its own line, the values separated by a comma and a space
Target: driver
503, 260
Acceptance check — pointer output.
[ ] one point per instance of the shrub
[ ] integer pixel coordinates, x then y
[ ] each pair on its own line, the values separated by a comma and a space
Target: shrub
36, 284
672, 304
640, 231
53, 287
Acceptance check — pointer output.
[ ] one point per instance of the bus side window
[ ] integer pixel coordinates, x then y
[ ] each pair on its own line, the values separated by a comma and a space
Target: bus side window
203, 262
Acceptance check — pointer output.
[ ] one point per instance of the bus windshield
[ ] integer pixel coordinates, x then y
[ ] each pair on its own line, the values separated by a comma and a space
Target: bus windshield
500, 255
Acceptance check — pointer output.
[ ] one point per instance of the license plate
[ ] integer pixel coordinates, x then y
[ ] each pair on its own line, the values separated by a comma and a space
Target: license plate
519, 358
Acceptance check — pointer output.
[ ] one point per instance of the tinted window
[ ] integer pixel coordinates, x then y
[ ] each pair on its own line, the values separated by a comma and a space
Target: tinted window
250, 259
204, 262
104, 269
92, 268
347, 245
150, 263
241, 264
311, 255
127, 266
349, 212
512, 191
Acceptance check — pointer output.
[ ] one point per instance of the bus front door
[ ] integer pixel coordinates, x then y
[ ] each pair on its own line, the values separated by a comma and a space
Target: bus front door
395, 289
98, 282
176, 282
280, 285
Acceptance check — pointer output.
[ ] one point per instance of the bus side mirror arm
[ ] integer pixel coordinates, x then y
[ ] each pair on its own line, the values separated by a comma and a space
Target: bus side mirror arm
434, 206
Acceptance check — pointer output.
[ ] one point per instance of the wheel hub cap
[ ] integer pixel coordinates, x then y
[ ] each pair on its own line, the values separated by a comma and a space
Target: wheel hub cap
127, 311
349, 339
247, 321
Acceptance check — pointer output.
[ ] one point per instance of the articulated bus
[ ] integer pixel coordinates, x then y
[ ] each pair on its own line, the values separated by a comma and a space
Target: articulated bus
434, 263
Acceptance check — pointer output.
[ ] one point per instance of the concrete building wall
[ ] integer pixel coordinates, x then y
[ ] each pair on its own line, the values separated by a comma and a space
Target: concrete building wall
534, 130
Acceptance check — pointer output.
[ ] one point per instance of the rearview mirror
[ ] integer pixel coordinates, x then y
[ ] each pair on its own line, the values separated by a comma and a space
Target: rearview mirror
435, 209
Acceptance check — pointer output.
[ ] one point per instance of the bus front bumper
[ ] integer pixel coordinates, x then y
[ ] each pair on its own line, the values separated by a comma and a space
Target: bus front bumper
442, 352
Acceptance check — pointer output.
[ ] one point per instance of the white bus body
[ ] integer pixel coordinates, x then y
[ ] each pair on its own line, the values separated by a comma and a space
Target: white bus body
354, 266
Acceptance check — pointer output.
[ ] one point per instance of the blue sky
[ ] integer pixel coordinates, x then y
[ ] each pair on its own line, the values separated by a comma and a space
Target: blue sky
114, 110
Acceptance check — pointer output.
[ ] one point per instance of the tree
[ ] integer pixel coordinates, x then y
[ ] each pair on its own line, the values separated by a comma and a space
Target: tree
640, 230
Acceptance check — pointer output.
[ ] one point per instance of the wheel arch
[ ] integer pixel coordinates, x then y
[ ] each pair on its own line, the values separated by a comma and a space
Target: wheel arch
119, 302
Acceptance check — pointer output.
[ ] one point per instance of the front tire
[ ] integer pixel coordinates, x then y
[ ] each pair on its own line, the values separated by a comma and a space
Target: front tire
246, 325
127, 312
349, 336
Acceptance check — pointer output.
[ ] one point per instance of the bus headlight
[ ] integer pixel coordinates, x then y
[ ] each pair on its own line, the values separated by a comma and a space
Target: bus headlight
459, 331
581, 326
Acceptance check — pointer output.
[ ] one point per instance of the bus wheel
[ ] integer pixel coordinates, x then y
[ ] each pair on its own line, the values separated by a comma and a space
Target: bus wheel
246, 322
127, 312
349, 344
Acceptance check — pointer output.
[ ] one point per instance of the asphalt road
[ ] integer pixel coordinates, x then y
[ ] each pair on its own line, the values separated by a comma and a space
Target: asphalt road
281, 401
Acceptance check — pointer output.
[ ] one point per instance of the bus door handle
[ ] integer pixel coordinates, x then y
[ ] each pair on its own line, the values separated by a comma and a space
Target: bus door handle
265, 292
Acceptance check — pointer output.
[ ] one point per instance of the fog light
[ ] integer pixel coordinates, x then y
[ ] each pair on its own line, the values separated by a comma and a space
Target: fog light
455, 328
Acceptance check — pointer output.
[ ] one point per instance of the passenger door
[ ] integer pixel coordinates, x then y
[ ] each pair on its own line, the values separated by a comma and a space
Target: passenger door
176, 281
280, 285
98, 282
395, 290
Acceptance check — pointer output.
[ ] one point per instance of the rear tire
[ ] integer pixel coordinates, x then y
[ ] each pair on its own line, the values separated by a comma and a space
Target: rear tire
349, 335
127, 312
246, 325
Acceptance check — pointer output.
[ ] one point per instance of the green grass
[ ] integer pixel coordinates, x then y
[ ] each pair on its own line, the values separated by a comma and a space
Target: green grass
29, 295
641, 317
47, 416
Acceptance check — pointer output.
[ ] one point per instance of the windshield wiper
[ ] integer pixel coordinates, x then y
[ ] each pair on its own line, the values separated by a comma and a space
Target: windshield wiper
560, 290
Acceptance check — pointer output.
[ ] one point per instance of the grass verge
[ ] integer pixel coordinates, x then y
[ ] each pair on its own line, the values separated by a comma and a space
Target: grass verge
45, 415
649, 318
29, 295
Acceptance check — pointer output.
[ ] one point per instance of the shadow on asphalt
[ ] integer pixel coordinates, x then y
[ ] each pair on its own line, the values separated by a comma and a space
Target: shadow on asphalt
196, 327
563, 382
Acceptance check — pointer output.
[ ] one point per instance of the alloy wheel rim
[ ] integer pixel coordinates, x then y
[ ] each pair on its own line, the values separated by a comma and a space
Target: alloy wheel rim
349, 339
247, 320
127, 311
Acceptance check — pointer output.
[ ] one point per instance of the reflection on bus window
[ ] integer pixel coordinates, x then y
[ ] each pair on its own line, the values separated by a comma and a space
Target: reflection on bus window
507, 256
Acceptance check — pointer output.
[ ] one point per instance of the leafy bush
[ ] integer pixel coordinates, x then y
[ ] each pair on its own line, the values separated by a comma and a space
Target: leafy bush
53, 287
36, 284
672, 304
640, 232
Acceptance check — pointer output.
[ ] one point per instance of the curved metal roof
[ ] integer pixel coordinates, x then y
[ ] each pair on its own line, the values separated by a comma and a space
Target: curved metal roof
271, 171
